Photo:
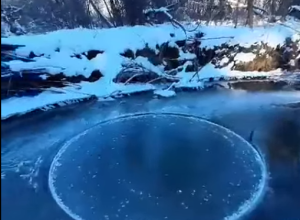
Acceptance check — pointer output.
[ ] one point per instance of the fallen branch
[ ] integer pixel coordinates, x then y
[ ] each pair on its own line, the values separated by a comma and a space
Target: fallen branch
132, 77
139, 70
153, 80
217, 38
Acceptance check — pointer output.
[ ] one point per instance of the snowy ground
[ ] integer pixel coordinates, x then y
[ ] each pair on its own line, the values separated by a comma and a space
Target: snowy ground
115, 41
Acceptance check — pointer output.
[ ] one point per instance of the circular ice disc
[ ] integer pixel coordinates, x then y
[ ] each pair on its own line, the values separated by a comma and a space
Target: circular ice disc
155, 167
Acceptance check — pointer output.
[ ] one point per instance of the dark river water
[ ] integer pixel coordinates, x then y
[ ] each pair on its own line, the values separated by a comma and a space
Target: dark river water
139, 158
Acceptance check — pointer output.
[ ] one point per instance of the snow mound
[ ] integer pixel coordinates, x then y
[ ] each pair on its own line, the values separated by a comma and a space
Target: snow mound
113, 40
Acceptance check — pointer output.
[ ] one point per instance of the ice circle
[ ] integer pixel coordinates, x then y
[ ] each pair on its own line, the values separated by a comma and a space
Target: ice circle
156, 166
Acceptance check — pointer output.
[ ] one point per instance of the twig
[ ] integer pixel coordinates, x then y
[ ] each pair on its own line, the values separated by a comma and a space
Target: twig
172, 5
196, 74
153, 80
132, 77
172, 85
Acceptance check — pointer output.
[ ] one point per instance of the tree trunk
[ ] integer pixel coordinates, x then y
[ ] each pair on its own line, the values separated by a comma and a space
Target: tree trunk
101, 16
236, 14
273, 7
284, 6
109, 12
210, 11
250, 13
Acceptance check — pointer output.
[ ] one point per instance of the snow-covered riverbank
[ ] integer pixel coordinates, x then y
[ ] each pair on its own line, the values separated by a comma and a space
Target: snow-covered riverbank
69, 52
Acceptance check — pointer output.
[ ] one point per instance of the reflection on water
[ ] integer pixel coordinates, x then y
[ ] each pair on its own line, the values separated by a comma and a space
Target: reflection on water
284, 140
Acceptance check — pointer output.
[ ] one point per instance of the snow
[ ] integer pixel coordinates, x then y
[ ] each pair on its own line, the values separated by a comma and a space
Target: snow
25, 104
172, 44
224, 61
109, 64
188, 84
149, 66
117, 40
161, 9
296, 7
57, 50
244, 57
272, 35
164, 93
77, 41
209, 71
236, 4
186, 56
59, 62
100, 88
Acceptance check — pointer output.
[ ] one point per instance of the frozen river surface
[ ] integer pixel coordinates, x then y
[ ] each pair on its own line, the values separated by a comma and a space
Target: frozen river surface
203, 155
